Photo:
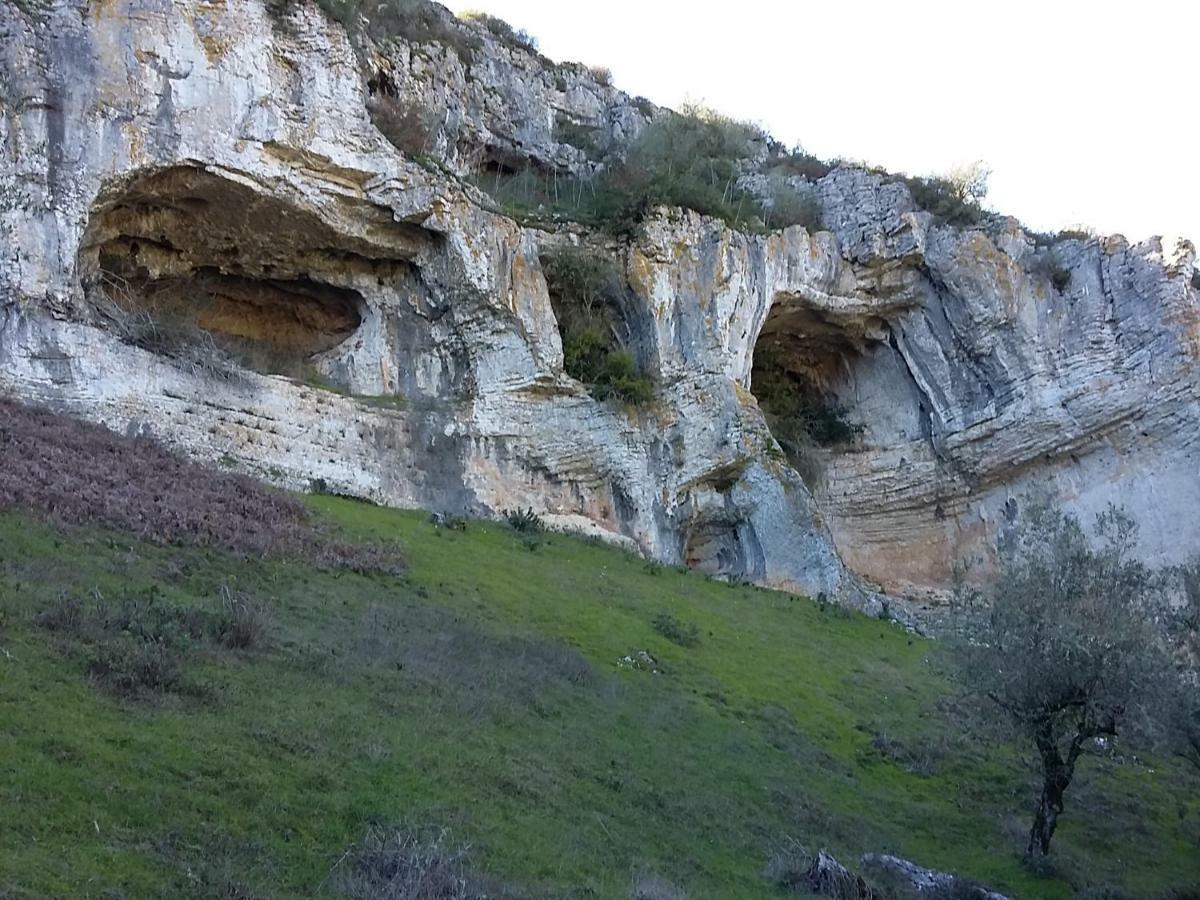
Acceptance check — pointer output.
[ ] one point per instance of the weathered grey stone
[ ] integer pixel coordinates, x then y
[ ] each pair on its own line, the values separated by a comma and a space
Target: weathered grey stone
197, 148
928, 881
504, 104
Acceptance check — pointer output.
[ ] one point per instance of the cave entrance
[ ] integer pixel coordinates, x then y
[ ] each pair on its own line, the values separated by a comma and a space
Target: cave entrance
799, 377
184, 256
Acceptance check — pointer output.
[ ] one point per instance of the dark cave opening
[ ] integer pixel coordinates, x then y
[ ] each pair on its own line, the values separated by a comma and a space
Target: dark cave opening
187, 255
800, 358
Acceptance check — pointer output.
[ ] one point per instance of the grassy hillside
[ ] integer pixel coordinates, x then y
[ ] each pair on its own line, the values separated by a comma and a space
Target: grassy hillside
480, 691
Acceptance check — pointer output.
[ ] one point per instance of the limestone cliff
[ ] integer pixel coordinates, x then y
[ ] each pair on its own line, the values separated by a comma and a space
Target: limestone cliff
226, 155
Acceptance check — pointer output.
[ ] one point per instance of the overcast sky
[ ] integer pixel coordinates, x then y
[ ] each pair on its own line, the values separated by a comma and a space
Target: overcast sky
1086, 112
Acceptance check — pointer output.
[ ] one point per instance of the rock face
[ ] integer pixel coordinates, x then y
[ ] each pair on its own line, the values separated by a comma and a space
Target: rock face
994, 371
216, 158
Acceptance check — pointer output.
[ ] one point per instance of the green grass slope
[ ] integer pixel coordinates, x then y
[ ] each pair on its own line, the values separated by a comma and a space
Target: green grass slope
481, 692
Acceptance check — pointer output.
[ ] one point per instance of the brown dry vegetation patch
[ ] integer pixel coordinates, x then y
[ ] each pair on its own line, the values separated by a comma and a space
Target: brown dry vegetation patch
74, 473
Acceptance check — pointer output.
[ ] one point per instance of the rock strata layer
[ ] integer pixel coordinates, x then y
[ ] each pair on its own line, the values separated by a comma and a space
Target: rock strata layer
222, 164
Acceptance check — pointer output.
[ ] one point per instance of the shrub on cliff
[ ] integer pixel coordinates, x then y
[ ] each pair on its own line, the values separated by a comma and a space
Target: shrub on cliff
801, 418
1064, 647
507, 34
583, 137
1046, 266
786, 206
937, 196
409, 126
692, 159
798, 162
586, 292
420, 21
688, 159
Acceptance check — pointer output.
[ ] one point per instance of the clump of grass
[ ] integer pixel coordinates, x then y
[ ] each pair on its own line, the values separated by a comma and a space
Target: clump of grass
675, 631
127, 666
138, 643
924, 758
244, 620
401, 863
73, 473
525, 521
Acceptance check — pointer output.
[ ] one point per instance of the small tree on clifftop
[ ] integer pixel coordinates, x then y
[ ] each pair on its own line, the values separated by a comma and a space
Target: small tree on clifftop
1064, 646
970, 182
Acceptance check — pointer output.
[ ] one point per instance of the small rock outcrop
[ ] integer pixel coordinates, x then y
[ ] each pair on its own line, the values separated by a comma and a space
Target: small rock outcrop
927, 881
225, 164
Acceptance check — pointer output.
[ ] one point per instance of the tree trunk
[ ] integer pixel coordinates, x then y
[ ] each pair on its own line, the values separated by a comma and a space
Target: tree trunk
1056, 777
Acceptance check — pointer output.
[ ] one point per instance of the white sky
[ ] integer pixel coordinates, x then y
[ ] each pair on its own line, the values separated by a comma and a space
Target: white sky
1086, 112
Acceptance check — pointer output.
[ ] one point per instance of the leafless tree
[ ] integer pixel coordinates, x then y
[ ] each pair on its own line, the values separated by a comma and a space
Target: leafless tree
970, 181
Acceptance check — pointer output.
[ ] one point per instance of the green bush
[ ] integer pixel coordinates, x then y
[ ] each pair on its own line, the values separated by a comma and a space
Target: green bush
585, 350
1076, 233
795, 409
507, 34
691, 159
802, 420
675, 631
1046, 266
939, 197
602, 75
586, 279
420, 21
533, 196
580, 136
687, 160
620, 379
798, 162
955, 198
585, 290
525, 521
790, 207
1050, 238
